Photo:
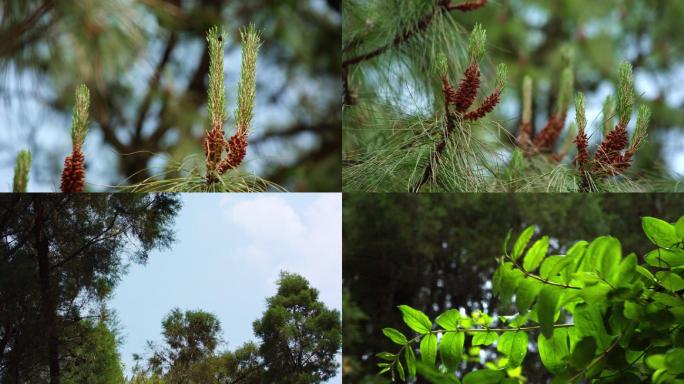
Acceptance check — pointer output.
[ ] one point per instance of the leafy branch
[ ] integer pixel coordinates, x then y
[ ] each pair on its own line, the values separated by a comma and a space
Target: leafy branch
615, 304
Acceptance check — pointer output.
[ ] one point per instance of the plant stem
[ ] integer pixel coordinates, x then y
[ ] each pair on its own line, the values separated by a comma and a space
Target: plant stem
537, 277
596, 360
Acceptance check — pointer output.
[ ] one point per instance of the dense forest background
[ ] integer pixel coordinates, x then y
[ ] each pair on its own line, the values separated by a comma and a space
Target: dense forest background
398, 89
436, 252
146, 64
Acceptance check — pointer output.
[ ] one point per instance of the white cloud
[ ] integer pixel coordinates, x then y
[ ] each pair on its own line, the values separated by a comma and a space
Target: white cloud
266, 216
297, 233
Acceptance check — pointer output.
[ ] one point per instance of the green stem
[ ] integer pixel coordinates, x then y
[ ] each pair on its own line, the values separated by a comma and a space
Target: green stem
537, 277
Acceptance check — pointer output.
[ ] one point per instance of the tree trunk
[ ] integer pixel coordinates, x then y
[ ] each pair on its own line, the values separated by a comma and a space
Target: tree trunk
47, 297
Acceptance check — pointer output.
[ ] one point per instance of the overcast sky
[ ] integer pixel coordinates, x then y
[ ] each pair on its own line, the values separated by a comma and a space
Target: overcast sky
230, 249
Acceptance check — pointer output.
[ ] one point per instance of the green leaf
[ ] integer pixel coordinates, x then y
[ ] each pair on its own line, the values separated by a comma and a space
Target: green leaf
527, 292
484, 338
553, 265
679, 228
400, 370
576, 254
449, 319
656, 361
536, 254
386, 356
595, 294
506, 279
661, 233
410, 358
674, 360
484, 376
415, 319
667, 299
665, 258
670, 280
588, 321
553, 351
603, 255
584, 352
645, 272
522, 241
514, 346
612, 253
548, 266
633, 311
625, 271
428, 349
394, 335
546, 308
451, 349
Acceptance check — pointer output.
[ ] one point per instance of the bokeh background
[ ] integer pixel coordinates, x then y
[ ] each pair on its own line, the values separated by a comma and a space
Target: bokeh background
146, 64
438, 251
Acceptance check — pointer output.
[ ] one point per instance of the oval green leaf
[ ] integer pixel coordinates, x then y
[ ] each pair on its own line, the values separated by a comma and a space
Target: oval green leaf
536, 254
428, 349
514, 346
415, 319
451, 349
394, 335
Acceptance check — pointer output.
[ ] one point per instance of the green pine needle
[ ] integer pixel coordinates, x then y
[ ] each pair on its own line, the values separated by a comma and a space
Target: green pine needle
216, 92
580, 115
608, 114
641, 131
477, 42
21, 171
79, 126
625, 92
501, 75
442, 64
527, 99
251, 41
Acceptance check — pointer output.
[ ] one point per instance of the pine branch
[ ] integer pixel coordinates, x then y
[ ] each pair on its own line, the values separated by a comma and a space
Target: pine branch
419, 27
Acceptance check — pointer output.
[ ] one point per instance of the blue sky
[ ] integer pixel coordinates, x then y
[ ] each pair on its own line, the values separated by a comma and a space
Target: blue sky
229, 251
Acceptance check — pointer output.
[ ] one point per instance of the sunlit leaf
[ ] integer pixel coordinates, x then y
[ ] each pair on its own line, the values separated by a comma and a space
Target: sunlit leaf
451, 349
660, 232
514, 346
395, 336
428, 349
536, 254
415, 319
522, 241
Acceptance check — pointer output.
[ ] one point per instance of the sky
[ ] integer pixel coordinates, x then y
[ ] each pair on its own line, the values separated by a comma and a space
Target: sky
229, 252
